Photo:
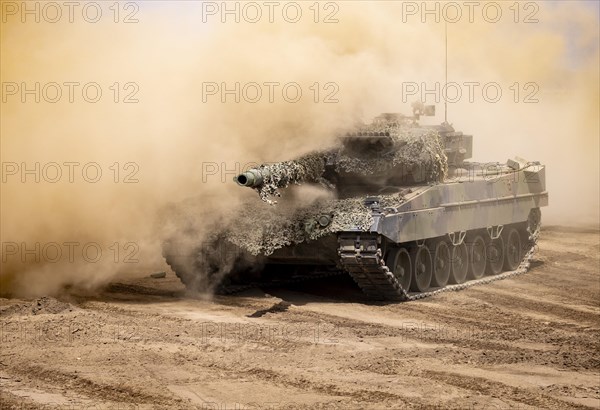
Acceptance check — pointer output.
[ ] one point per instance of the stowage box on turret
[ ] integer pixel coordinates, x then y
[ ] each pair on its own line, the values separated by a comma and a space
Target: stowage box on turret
407, 216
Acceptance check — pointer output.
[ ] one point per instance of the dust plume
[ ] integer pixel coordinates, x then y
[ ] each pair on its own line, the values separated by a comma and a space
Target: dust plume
176, 142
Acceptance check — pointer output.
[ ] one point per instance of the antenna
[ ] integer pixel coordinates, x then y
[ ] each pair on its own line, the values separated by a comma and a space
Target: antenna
446, 81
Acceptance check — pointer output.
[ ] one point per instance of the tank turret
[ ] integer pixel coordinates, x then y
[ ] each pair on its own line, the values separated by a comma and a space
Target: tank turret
386, 155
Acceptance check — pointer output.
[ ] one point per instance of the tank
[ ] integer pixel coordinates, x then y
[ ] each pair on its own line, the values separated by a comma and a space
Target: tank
401, 210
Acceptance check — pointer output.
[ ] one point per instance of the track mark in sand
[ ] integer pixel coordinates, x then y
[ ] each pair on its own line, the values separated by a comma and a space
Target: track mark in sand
141, 290
71, 381
308, 383
576, 393
496, 389
240, 394
12, 401
495, 343
524, 304
276, 308
368, 396
18, 395
469, 335
508, 312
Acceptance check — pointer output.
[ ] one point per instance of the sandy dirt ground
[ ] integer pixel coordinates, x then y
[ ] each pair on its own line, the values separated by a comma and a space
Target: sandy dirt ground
532, 341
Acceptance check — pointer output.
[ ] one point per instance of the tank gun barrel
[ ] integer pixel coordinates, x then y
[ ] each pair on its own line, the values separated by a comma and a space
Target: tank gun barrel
253, 178
267, 179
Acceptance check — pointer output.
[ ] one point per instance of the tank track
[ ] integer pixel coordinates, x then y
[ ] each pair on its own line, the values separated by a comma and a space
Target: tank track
366, 266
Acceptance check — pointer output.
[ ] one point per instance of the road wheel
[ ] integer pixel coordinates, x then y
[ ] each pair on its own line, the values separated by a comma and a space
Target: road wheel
441, 264
495, 254
399, 263
423, 270
477, 258
460, 263
512, 252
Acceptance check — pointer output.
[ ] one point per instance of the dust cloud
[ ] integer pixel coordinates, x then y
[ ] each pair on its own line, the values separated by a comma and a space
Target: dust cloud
177, 142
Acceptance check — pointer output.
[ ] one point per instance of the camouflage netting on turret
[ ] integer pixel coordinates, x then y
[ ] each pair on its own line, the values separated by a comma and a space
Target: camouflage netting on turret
260, 229
422, 154
309, 168
416, 154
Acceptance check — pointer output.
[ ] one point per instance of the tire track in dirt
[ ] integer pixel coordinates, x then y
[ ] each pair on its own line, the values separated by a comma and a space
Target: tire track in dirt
301, 382
9, 401
528, 304
496, 389
111, 392
238, 369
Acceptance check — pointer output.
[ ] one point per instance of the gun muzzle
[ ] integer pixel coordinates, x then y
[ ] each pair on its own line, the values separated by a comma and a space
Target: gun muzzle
252, 178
